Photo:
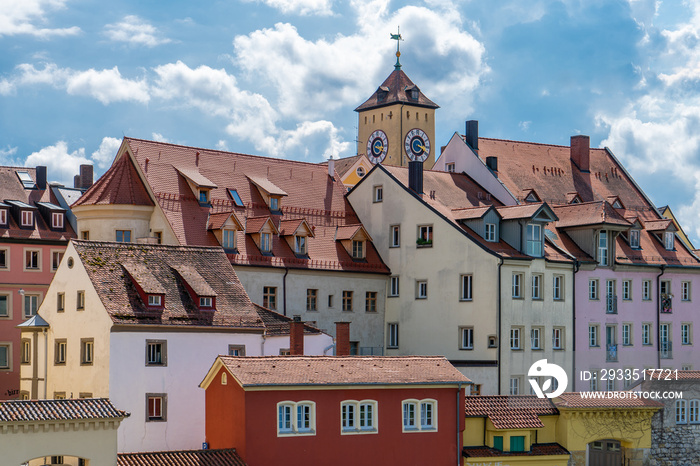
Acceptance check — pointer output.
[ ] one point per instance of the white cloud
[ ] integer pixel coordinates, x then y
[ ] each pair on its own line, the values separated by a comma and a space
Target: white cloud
525, 125
300, 7
159, 137
22, 16
222, 145
105, 154
135, 31
7, 156
61, 164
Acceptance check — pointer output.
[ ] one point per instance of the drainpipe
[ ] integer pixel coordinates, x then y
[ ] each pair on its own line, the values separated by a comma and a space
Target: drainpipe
284, 291
401, 152
658, 316
262, 343
328, 348
577, 267
500, 343
460, 409
46, 360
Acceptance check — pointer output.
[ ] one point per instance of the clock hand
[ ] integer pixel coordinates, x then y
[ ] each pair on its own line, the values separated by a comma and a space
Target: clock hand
422, 148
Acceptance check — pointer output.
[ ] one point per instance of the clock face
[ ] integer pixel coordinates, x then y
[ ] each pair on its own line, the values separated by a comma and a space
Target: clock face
377, 146
417, 145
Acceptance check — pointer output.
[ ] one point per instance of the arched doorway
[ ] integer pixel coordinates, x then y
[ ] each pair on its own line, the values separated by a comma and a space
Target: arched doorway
606, 452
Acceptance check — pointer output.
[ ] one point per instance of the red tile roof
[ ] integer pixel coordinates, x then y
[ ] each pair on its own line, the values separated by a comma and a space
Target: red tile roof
344, 164
611, 400
119, 185
195, 177
518, 211
396, 88
217, 221
538, 449
510, 412
342, 370
589, 213
657, 225
227, 457
311, 194
59, 410
256, 224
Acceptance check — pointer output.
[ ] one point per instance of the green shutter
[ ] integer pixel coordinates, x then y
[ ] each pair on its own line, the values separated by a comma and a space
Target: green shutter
498, 442
517, 443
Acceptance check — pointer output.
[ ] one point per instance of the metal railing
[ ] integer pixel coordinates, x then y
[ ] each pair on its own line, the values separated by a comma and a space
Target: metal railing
611, 304
666, 350
611, 353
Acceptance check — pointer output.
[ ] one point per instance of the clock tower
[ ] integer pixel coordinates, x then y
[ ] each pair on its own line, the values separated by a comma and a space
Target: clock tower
397, 124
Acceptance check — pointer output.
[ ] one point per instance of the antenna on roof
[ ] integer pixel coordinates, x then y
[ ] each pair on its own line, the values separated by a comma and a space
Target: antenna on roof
397, 37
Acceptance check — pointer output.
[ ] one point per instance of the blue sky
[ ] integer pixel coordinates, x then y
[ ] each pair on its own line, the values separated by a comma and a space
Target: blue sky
282, 77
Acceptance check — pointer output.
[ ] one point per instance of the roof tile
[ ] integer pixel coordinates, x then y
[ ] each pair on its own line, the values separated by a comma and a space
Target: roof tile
227, 457
59, 410
510, 412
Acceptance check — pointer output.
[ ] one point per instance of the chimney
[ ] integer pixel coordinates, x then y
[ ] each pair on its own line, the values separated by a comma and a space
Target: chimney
85, 176
41, 177
492, 163
296, 337
580, 152
415, 176
472, 135
342, 338
76, 181
331, 168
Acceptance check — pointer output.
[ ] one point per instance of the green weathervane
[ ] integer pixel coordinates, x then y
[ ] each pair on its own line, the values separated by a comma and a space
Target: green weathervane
397, 37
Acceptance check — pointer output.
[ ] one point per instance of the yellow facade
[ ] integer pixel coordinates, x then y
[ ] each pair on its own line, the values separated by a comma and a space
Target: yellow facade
352, 177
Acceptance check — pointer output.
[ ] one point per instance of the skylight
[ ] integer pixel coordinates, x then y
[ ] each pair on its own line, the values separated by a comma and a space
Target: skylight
26, 180
236, 198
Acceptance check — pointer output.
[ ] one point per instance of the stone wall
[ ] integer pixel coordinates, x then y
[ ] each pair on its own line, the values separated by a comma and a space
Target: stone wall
672, 444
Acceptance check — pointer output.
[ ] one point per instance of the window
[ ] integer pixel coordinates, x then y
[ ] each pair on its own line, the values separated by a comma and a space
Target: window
421, 289
610, 384
536, 338
371, 301
593, 334
87, 346
59, 395
236, 350
330, 301
56, 257
694, 412
270, 297
603, 247
378, 194
206, 301
517, 442
32, 259
498, 442
60, 352
593, 289
646, 290
358, 417
85, 235
611, 296
515, 385
300, 245
158, 235
57, 460
26, 356
57, 220
80, 301
4, 305
536, 286
517, 280
557, 338
228, 238
626, 290
347, 301
306, 417
515, 338
284, 418
394, 286
419, 415
646, 333
450, 167
395, 241
311, 299
360, 172
154, 300
685, 291
534, 240
5, 356
4, 255
686, 334
156, 352
475, 389
238, 202
557, 287
274, 203
490, 232
626, 334
593, 384
668, 240
634, 239
425, 236
358, 249
466, 338
31, 305
27, 218
203, 196
265, 242
465, 291
392, 335
3, 216
156, 405
123, 236
681, 412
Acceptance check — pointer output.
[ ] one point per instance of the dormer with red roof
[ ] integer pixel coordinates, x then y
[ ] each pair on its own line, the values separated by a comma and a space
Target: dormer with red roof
225, 226
200, 185
297, 233
270, 192
354, 239
202, 294
150, 290
262, 229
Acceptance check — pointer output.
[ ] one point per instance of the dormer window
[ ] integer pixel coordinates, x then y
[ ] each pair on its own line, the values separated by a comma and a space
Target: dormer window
534, 240
154, 300
490, 232
26, 180
358, 249
603, 248
265, 244
204, 196
3, 216
274, 203
27, 218
669, 240
228, 240
532, 197
205, 301
450, 167
57, 220
617, 204
634, 239
300, 245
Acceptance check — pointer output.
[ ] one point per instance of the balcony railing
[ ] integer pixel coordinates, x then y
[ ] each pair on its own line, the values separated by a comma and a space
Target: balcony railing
666, 350
666, 303
611, 353
611, 304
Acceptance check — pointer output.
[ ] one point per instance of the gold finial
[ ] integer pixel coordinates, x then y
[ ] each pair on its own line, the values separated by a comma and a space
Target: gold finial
397, 37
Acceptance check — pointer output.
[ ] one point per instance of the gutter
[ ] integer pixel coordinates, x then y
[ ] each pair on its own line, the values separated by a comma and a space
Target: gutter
459, 413
658, 316
577, 267
500, 343
284, 291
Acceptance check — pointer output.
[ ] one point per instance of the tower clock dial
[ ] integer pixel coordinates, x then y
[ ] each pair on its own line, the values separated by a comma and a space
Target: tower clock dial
377, 146
417, 145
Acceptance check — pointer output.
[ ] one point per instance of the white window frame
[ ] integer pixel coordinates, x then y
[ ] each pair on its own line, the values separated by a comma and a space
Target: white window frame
27, 313
517, 289
533, 240
27, 218
593, 384
593, 289
358, 249
394, 286
378, 193
392, 330
421, 289
557, 338
395, 236
515, 338
593, 335
228, 238
536, 338
626, 290
155, 300
416, 414
603, 248
669, 240
296, 418
466, 338
646, 290
634, 238
686, 333
627, 334
425, 233
157, 353
490, 232
685, 291
3, 217
450, 167
646, 334
557, 288
206, 301
56, 254
163, 407
358, 417
466, 283
30, 265
514, 386
537, 286
57, 220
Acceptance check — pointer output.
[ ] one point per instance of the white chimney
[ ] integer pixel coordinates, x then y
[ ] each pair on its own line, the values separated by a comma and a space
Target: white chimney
331, 167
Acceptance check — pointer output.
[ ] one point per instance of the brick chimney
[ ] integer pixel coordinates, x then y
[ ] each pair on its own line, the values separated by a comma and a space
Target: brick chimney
76, 181
296, 337
581, 152
342, 338
85, 176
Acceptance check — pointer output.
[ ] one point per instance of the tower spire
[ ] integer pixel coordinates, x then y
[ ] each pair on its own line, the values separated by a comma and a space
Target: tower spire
397, 37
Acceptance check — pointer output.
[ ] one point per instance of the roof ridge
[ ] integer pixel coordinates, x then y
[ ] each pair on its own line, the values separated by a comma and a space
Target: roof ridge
534, 143
84, 242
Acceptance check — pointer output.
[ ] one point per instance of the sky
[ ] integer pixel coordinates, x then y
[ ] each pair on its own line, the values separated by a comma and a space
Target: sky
282, 78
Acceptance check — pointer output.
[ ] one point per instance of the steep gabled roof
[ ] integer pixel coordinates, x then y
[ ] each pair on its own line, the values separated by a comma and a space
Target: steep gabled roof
59, 410
599, 213
395, 89
119, 185
226, 457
